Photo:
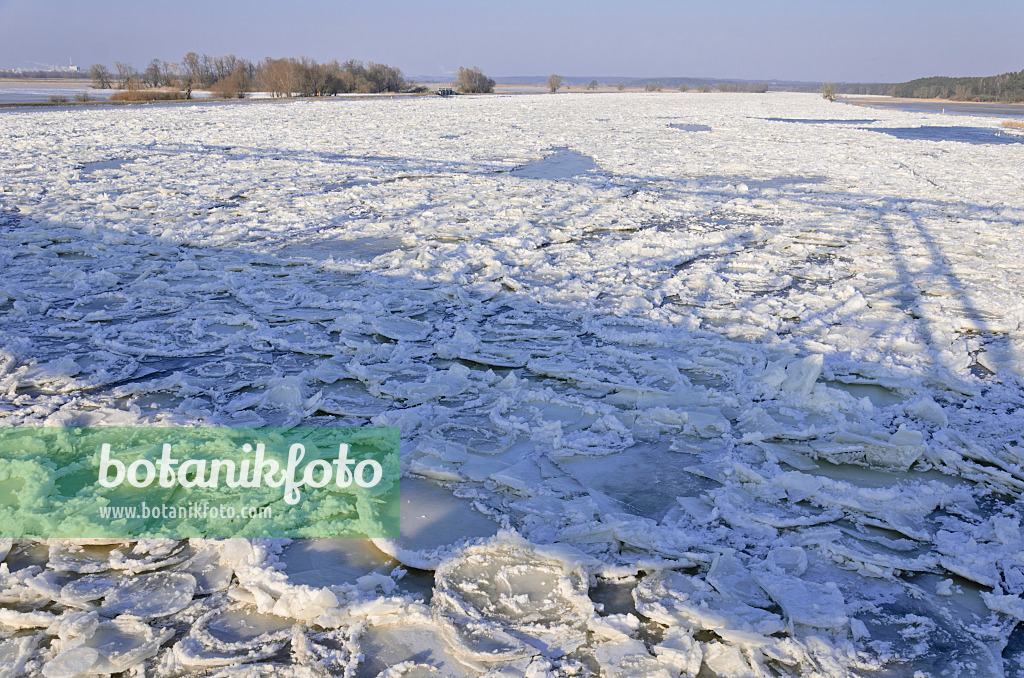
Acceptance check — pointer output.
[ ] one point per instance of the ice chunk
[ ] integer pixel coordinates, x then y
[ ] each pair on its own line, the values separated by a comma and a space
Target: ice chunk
110, 647
401, 329
222, 637
86, 589
630, 659
151, 595
805, 602
1012, 606
16, 651
790, 560
801, 374
728, 660
535, 601
898, 450
387, 651
679, 650
326, 562
676, 599
926, 409
733, 580
210, 573
72, 663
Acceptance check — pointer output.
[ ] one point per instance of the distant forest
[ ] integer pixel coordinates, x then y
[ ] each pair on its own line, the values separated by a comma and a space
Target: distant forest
50, 75
1005, 87
872, 88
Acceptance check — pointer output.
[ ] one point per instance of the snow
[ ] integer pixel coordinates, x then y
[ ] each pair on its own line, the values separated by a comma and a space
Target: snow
764, 378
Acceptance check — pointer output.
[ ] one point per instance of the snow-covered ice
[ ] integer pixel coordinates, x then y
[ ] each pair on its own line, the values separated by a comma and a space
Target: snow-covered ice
728, 384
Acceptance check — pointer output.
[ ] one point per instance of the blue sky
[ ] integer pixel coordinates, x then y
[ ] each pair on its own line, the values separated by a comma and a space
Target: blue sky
866, 40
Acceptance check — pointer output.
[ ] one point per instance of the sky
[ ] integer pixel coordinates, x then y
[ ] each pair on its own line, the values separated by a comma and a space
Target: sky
837, 40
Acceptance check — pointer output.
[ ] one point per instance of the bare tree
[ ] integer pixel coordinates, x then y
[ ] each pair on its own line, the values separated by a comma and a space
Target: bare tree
152, 76
100, 76
592, 84
828, 91
683, 87
278, 76
191, 70
473, 81
126, 75
199, 71
621, 86
169, 74
313, 78
223, 66
653, 87
385, 78
354, 77
554, 82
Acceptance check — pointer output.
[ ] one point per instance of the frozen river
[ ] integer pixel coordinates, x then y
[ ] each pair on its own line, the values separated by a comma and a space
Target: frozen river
727, 383
41, 91
940, 106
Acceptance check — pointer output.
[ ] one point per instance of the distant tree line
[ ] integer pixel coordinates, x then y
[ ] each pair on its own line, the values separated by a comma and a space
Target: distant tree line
64, 75
231, 76
306, 77
756, 87
1007, 87
872, 88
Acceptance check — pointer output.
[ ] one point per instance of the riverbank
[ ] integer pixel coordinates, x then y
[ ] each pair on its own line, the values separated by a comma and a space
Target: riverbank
947, 106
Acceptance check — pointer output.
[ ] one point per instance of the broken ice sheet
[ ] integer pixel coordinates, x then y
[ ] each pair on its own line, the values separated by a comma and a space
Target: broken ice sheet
536, 603
354, 562
675, 599
229, 636
416, 649
106, 647
151, 595
533, 337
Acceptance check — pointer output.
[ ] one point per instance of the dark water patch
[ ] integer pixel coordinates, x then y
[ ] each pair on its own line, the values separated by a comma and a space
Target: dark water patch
879, 395
644, 480
564, 163
717, 220
717, 182
824, 121
689, 127
9, 218
111, 164
354, 248
967, 135
1013, 654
